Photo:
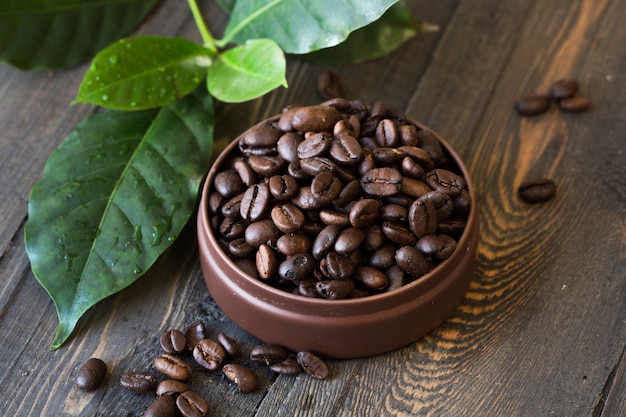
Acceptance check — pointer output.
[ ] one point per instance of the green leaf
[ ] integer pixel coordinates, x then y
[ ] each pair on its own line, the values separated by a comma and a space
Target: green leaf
247, 71
144, 72
386, 34
301, 27
226, 5
37, 34
113, 196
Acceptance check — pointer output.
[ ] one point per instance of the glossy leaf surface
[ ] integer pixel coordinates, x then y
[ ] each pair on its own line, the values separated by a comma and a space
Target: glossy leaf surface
144, 72
247, 71
301, 27
113, 196
37, 34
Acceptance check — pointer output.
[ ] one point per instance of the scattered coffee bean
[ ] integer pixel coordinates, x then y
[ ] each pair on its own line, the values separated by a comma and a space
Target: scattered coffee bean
532, 104
329, 85
268, 354
171, 387
574, 104
163, 406
173, 341
537, 191
563, 89
195, 333
229, 345
137, 381
245, 378
313, 365
91, 375
209, 354
287, 367
191, 404
173, 367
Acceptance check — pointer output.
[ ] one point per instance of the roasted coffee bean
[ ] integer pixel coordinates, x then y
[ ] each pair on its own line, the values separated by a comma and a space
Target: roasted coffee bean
140, 382
428, 141
283, 187
315, 118
171, 387
266, 165
564, 89
346, 150
364, 212
268, 354
452, 227
209, 354
296, 267
445, 181
398, 233
334, 217
239, 248
371, 278
437, 246
91, 375
287, 367
245, 378
412, 261
229, 184
163, 406
325, 240
374, 238
382, 181
191, 404
295, 170
419, 155
287, 218
339, 266
387, 134
384, 257
173, 341
262, 231
316, 144
394, 213
287, 146
247, 265
396, 278
461, 203
255, 202
349, 240
306, 287
408, 135
266, 263
259, 138
304, 199
422, 218
329, 85
325, 187
232, 208
574, 104
348, 194
232, 228
313, 365
286, 117
537, 191
442, 202
195, 333
293, 243
533, 104
334, 289
316, 165
229, 345
247, 174
412, 169
387, 156
172, 367
215, 203
414, 188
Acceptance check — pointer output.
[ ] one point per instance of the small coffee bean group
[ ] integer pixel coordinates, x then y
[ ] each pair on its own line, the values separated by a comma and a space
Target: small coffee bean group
563, 92
338, 200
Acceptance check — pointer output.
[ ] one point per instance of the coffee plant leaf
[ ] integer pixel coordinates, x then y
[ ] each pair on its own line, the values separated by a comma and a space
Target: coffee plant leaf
144, 72
301, 27
373, 41
112, 198
247, 71
37, 34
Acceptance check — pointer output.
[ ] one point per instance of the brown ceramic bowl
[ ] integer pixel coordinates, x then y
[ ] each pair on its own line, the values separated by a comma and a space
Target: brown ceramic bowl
348, 328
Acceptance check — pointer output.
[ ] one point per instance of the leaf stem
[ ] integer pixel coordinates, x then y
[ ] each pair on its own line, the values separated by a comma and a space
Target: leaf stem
207, 38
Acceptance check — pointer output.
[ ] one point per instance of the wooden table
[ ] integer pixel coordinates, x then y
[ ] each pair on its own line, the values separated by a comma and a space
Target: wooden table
542, 331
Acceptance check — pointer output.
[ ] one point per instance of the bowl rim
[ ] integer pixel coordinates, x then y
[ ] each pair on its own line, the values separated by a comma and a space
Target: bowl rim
414, 289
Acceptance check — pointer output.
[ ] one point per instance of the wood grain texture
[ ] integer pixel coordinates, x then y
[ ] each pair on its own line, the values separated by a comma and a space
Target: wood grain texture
542, 331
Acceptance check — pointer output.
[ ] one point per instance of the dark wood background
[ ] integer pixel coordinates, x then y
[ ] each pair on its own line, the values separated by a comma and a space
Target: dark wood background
542, 331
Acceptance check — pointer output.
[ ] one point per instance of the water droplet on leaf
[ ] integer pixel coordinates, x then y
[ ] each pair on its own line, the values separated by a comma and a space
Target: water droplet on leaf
113, 59
104, 97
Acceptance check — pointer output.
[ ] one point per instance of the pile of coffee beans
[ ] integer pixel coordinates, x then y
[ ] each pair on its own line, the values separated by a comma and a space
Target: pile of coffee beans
338, 200
173, 395
563, 92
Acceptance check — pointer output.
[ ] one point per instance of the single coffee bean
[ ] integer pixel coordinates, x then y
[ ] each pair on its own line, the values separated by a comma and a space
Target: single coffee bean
191, 404
255, 202
339, 266
296, 267
537, 191
306, 287
367, 163
428, 141
422, 217
140, 382
334, 217
412, 169
396, 277
195, 333
266, 263
374, 238
325, 187
229, 345
287, 367
329, 85
262, 231
215, 203
461, 203
259, 139
533, 104
245, 378
173, 341
574, 104
228, 183
287, 218
334, 289
394, 213
564, 89
209, 354
171, 387
316, 165
313, 365
304, 199
295, 170
348, 194
349, 240
346, 150
239, 248
412, 261
387, 134
283, 187
247, 174
287, 146
437, 246
364, 212
91, 375
452, 227
247, 266
398, 233
414, 188
383, 258
315, 118
382, 181
445, 181
325, 240
442, 202
408, 135
371, 278
268, 354
316, 144
163, 406
293, 243
419, 155
172, 367
232, 228
232, 208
